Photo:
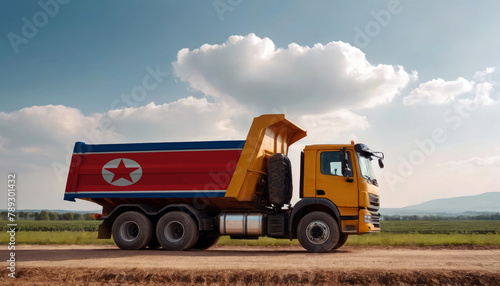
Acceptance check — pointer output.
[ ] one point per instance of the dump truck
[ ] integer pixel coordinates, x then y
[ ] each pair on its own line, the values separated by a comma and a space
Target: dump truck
184, 195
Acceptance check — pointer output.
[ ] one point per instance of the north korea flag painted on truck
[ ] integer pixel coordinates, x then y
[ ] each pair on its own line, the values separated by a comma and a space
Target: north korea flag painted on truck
152, 170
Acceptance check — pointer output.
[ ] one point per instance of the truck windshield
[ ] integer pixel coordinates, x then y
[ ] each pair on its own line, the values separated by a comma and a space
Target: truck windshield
365, 166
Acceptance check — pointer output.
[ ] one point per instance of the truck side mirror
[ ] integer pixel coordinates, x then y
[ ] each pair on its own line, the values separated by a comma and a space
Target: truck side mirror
381, 163
344, 161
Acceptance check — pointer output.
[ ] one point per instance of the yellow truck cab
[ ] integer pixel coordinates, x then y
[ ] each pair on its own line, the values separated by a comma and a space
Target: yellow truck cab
184, 195
343, 175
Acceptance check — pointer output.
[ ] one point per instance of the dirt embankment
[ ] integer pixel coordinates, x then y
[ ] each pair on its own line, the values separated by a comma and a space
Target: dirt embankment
47, 265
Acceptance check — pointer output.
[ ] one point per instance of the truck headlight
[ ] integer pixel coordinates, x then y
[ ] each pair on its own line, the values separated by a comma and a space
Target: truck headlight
368, 218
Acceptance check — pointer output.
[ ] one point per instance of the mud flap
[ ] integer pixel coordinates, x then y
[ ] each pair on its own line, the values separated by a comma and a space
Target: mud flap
104, 231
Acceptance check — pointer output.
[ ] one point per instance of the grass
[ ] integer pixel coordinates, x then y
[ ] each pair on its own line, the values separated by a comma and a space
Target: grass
56, 237
389, 239
397, 239
395, 233
442, 227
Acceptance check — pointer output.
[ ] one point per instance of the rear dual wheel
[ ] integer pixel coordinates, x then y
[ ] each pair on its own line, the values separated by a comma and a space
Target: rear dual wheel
132, 230
177, 231
174, 231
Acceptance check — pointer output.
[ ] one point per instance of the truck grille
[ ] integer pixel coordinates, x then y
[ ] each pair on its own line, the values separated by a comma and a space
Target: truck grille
373, 209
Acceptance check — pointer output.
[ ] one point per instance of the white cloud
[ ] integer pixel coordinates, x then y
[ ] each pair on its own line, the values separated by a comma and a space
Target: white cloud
332, 125
439, 91
254, 72
185, 119
38, 129
42, 126
482, 94
474, 162
482, 76
35, 137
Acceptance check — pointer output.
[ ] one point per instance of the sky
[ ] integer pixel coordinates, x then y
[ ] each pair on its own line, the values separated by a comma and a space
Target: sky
417, 80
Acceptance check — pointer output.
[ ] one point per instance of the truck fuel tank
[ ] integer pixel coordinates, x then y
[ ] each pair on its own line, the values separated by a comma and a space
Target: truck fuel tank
241, 224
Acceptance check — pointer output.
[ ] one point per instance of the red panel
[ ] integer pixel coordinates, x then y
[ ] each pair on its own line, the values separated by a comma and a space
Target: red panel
184, 170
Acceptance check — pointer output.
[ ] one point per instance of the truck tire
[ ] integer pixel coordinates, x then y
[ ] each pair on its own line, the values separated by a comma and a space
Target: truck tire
207, 240
318, 232
279, 179
132, 230
177, 231
342, 240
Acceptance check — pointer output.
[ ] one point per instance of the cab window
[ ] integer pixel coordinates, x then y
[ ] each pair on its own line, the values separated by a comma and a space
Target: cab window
331, 164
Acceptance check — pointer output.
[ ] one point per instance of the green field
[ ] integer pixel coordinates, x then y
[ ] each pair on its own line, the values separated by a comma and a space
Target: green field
54, 225
442, 227
418, 233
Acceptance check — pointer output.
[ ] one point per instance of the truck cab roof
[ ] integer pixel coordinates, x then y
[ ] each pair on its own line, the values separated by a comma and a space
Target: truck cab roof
326, 146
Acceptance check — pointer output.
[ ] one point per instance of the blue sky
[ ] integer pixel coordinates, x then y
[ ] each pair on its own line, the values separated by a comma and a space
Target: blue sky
91, 53
90, 48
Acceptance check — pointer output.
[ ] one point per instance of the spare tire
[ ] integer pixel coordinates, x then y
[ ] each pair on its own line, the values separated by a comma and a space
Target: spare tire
279, 179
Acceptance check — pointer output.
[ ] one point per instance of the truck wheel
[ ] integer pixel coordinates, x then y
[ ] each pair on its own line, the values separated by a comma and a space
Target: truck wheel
342, 240
318, 232
177, 231
132, 230
207, 240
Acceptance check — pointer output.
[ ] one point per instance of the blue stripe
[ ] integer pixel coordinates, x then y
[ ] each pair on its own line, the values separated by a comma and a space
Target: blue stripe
81, 147
72, 197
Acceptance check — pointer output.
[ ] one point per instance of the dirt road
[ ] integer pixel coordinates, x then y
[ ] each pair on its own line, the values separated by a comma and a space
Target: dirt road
255, 265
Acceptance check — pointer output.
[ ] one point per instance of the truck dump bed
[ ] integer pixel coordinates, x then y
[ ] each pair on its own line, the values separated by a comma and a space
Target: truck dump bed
152, 170
217, 174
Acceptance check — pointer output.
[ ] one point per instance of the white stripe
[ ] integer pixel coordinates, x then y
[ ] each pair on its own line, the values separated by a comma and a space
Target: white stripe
155, 151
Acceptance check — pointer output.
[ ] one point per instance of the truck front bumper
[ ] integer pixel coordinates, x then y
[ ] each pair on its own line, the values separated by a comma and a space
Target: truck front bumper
368, 221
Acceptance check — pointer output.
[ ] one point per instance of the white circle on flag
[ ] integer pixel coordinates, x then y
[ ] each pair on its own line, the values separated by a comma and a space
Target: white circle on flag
122, 172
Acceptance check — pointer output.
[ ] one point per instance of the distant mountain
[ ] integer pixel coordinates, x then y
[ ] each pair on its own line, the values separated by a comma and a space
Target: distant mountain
468, 205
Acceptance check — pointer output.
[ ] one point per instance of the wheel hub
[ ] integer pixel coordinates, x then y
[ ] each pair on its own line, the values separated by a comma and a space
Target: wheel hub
129, 231
174, 231
317, 232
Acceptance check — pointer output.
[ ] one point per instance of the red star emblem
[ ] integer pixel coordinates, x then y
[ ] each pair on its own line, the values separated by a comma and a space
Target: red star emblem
121, 172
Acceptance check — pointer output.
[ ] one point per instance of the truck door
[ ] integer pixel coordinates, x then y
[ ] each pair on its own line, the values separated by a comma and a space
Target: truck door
331, 183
